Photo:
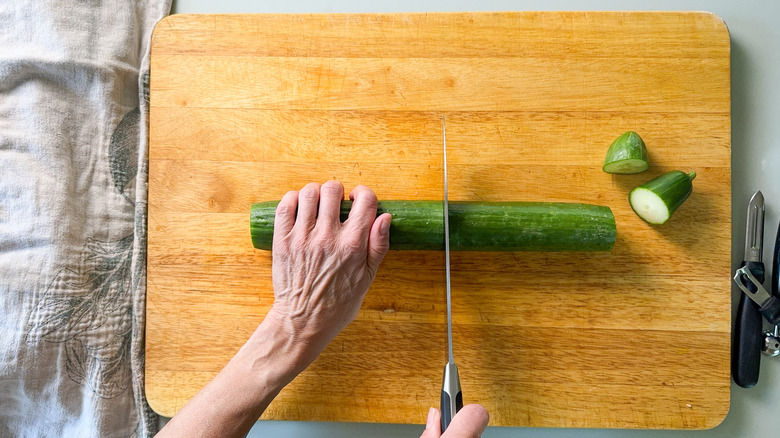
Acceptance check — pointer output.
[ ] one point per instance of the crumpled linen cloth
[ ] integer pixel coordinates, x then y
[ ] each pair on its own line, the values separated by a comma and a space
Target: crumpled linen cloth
73, 172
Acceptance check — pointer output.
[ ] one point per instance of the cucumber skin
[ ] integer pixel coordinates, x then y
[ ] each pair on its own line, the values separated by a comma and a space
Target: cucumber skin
629, 146
672, 187
477, 226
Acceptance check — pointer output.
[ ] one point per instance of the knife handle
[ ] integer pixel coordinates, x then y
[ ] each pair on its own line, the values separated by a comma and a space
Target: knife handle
451, 396
746, 354
447, 411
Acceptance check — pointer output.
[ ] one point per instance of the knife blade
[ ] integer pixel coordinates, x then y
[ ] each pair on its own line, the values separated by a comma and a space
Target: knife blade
746, 354
451, 395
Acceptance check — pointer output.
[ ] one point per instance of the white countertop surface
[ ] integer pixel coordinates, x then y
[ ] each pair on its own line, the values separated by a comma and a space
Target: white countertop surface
755, 57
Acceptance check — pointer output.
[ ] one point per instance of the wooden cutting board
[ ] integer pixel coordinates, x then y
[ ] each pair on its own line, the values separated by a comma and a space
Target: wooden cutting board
247, 107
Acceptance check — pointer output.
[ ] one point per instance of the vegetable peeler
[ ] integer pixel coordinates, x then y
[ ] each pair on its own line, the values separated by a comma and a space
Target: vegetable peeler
746, 354
768, 302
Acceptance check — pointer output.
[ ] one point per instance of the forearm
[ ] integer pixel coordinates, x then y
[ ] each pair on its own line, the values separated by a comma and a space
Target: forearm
231, 403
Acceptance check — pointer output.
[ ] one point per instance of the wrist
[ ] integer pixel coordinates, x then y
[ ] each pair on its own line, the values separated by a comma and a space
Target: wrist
277, 352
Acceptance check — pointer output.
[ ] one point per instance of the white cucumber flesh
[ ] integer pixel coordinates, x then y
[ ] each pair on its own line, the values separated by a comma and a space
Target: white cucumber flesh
649, 206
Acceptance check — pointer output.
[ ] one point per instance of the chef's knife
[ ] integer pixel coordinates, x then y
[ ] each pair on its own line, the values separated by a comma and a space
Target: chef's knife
746, 354
451, 396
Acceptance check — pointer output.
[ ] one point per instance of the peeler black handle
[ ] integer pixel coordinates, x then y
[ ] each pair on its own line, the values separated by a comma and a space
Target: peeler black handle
775, 262
746, 353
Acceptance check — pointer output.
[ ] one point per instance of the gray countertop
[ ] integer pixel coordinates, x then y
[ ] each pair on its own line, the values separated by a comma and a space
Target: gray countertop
755, 57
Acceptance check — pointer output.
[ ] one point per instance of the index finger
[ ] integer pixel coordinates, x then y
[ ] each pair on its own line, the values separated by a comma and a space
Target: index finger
284, 218
363, 211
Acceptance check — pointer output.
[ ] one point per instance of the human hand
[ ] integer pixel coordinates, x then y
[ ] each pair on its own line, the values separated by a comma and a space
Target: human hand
322, 268
469, 422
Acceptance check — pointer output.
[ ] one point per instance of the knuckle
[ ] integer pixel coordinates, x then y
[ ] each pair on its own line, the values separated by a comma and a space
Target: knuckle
353, 243
297, 237
297, 243
365, 189
325, 236
383, 245
283, 210
368, 195
283, 207
281, 248
310, 191
332, 187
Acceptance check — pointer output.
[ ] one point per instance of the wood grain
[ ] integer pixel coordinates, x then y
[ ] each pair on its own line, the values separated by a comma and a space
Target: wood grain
247, 107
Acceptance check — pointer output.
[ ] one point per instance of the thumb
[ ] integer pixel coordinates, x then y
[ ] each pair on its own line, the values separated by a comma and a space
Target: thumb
469, 422
378, 241
433, 425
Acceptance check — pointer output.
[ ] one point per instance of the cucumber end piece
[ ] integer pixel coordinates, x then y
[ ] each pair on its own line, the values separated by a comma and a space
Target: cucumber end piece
648, 206
692, 175
626, 167
626, 155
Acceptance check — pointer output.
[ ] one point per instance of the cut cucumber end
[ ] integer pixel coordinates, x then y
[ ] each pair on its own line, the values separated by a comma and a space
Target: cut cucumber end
626, 155
626, 167
648, 206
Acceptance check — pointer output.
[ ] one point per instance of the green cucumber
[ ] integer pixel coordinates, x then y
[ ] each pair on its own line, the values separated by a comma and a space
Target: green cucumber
477, 226
656, 200
626, 155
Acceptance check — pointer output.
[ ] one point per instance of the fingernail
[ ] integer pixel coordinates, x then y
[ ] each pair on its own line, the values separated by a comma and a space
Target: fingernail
431, 422
384, 227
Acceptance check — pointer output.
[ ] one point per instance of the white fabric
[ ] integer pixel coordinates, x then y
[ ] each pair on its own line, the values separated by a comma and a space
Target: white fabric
72, 216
